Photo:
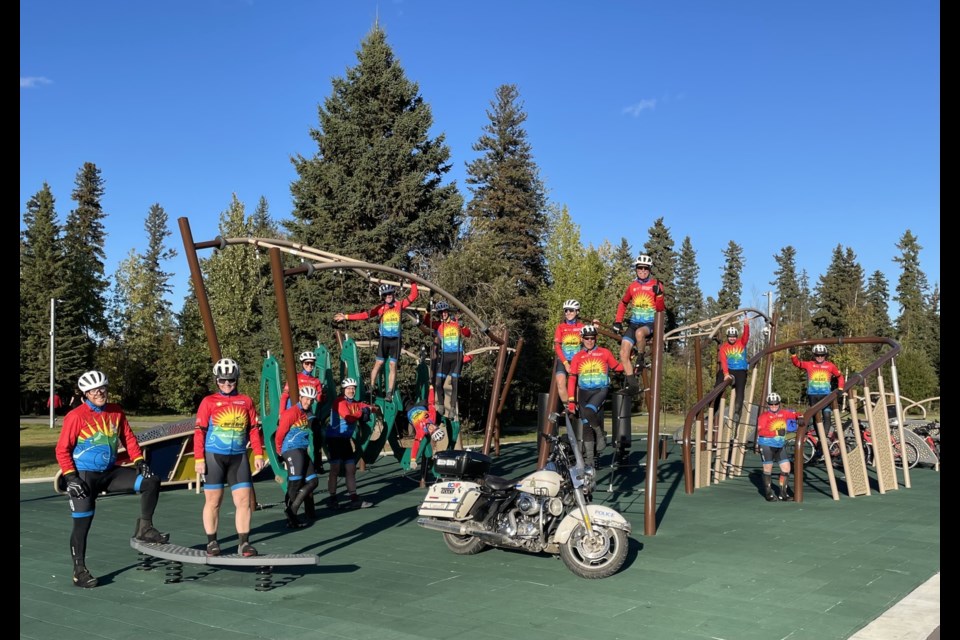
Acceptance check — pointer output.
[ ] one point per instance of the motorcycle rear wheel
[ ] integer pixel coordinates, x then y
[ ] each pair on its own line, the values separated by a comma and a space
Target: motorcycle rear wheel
464, 545
598, 556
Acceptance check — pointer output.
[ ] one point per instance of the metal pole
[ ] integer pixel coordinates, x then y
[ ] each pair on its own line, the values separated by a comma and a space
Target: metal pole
495, 392
653, 430
190, 252
53, 315
283, 319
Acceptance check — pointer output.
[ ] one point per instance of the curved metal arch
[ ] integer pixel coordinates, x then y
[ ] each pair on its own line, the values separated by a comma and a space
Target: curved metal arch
709, 327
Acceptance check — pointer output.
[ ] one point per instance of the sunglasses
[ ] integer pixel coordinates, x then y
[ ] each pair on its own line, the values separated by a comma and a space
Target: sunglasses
99, 391
222, 381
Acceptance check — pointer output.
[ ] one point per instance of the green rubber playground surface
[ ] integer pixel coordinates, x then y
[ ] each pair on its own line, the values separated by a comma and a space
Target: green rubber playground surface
724, 564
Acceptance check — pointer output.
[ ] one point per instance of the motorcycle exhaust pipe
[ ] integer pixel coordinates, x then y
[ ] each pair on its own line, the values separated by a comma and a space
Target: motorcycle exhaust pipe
468, 529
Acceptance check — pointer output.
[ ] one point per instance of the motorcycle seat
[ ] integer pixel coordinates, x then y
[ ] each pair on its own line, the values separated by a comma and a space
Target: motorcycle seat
496, 483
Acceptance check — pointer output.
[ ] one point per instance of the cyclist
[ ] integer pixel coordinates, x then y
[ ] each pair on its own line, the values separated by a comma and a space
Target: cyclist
587, 388
644, 296
772, 427
566, 344
820, 375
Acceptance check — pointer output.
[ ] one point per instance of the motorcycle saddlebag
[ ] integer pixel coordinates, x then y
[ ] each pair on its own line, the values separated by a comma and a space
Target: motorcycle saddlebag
450, 499
461, 464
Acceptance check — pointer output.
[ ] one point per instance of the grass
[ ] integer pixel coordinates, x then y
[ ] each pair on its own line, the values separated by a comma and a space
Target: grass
37, 439
37, 442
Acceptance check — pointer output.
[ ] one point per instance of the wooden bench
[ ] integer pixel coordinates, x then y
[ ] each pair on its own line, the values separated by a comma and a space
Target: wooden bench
176, 556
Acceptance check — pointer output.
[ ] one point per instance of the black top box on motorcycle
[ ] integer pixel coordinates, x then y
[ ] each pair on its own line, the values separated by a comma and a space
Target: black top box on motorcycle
462, 464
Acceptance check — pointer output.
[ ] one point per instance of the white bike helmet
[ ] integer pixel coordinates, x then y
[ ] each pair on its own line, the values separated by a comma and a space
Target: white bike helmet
819, 349
226, 369
571, 304
92, 380
387, 289
308, 356
348, 382
733, 331
308, 392
643, 261
588, 331
773, 398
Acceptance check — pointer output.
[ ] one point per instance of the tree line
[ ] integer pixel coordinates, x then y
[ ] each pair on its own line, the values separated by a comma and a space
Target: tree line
376, 190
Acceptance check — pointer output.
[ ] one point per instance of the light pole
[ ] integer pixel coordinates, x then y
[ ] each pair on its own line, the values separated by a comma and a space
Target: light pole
53, 315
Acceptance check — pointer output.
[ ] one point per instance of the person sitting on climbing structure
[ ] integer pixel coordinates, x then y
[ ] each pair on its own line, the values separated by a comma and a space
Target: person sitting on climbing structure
566, 344
772, 427
587, 387
389, 312
423, 418
644, 296
293, 444
346, 413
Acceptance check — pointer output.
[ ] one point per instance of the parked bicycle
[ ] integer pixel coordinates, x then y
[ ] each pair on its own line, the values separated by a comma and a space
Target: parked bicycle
812, 452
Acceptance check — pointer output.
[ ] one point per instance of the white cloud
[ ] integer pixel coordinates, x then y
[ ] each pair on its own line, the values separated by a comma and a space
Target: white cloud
636, 109
31, 82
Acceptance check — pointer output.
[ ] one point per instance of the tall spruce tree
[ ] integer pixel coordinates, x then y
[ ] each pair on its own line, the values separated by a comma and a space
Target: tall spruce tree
731, 282
84, 298
619, 274
840, 295
912, 288
146, 324
505, 236
41, 279
688, 299
374, 190
878, 299
787, 285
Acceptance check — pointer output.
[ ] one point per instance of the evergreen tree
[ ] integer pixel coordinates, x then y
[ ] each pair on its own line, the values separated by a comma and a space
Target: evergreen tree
878, 297
787, 284
187, 374
731, 284
373, 191
145, 323
619, 274
841, 298
911, 289
506, 232
932, 343
688, 299
84, 297
41, 268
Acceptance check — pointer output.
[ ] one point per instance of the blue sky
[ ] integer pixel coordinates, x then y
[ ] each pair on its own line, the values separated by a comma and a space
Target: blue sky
768, 123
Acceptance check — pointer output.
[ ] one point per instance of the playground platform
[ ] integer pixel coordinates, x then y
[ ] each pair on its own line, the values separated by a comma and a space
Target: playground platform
724, 564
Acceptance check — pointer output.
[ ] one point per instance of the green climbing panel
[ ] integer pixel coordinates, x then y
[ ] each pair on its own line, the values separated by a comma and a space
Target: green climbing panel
270, 414
321, 410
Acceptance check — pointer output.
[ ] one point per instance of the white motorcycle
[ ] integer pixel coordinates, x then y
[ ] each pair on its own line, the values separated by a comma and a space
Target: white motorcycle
547, 510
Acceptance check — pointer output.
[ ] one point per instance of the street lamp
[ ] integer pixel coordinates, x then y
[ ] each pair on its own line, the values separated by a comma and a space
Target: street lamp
51, 402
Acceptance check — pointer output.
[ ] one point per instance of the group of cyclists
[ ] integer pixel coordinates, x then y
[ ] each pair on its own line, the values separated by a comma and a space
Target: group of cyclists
227, 421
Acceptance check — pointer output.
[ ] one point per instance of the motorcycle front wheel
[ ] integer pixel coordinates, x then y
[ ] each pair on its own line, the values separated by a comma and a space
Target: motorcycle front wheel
464, 545
597, 556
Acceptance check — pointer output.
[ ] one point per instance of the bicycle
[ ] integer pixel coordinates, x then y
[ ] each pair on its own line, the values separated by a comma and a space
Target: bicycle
811, 447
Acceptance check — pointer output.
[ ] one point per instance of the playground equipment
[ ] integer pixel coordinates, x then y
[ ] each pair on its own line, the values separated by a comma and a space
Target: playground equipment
370, 438
852, 455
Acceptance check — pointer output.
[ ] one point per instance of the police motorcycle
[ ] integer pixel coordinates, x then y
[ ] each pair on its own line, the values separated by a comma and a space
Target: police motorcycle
546, 511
